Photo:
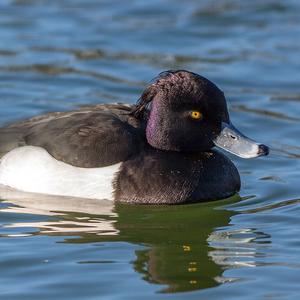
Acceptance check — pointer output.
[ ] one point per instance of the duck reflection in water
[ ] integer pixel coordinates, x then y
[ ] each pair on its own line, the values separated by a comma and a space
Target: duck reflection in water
177, 241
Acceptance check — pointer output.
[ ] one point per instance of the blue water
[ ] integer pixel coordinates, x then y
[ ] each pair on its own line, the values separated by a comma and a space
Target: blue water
56, 55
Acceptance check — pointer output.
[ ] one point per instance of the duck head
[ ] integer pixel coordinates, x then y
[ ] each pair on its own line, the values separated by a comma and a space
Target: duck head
186, 112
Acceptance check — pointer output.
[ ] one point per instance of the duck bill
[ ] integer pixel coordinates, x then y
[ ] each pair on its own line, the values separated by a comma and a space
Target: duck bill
233, 141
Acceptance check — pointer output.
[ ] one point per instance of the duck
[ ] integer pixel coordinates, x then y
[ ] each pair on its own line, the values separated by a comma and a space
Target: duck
161, 150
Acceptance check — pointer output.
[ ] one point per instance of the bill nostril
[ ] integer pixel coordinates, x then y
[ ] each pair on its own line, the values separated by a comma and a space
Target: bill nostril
263, 149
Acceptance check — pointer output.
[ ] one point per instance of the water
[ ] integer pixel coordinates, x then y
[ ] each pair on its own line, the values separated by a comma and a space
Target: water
56, 55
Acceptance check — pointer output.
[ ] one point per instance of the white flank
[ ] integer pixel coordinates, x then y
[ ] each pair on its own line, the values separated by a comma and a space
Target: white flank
33, 169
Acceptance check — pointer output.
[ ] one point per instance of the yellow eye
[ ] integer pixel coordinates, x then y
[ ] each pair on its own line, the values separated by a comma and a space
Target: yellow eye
196, 115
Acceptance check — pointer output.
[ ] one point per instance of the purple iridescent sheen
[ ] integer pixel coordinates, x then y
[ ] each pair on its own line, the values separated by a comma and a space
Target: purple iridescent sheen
152, 122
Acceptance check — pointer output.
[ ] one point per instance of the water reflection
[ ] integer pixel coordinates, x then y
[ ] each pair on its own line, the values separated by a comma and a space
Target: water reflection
177, 252
237, 248
183, 248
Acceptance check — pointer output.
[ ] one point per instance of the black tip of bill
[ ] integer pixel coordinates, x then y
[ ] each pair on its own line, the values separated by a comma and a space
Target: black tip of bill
233, 141
263, 150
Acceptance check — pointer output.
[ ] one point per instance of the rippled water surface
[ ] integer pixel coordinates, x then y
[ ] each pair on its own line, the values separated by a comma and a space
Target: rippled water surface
56, 55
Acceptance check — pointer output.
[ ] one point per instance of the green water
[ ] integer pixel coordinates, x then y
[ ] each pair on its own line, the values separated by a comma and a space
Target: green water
56, 55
